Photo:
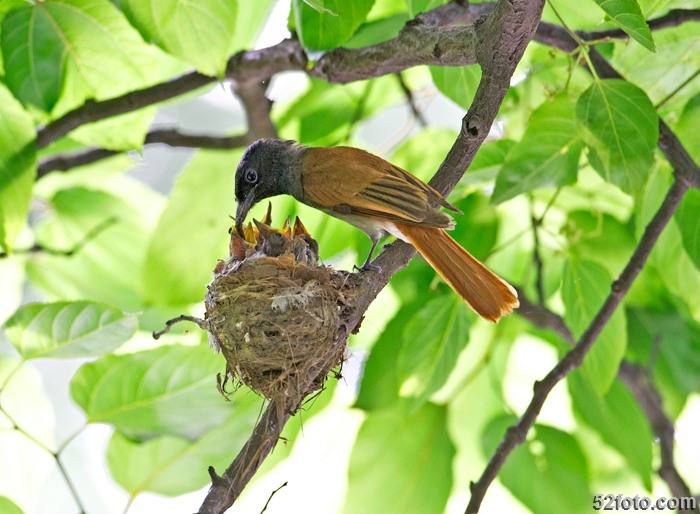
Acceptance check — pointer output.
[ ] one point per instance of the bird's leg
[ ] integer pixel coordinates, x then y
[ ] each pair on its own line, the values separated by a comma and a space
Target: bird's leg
367, 266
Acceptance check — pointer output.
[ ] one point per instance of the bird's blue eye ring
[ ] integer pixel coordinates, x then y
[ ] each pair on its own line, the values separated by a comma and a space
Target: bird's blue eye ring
251, 176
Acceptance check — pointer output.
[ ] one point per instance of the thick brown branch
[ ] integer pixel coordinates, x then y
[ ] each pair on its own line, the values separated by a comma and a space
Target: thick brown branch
244, 67
517, 433
637, 381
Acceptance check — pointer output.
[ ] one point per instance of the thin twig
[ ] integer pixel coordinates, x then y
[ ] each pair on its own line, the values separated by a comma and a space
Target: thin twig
201, 323
410, 99
92, 234
536, 257
271, 495
516, 434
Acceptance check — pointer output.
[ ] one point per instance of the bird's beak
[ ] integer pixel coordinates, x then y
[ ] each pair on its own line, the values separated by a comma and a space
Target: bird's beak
242, 212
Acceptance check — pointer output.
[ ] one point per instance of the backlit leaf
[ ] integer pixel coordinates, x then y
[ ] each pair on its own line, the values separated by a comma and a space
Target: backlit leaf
172, 465
688, 219
17, 167
58, 53
432, 341
548, 153
586, 285
199, 32
618, 419
401, 464
329, 28
167, 390
548, 473
457, 83
628, 16
68, 329
621, 128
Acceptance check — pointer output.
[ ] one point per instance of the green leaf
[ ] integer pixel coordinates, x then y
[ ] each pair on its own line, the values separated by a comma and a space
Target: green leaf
192, 233
60, 53
173, 465
585, 287
628, 16
676, 269
485, 167
7, 506
197, 32
616, 416
333, 26
602, 239
17, 167
250, 20
432, 341
548, 473
68, 329
120, 133
416, 7
548, 153
422, 154
168, 390
108, 239
375, 32
317, 5
458, 84
621, 128
477, 228
686, 130
688, 219
380, 384
401, 463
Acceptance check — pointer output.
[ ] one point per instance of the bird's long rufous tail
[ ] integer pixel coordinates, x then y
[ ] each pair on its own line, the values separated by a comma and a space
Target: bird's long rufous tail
485, 292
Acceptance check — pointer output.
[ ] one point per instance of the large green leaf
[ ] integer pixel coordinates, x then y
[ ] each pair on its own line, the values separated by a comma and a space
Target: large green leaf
58, 53
400, 463
192, 233
68, 329
586, 285
548, 473
108, 239
476, 229
628, 16
250, 20
173, 465
548, 153
432, 341
17, 167
620, 127
660, 74
199, 32
375, 32
327, 29
168, 390
618, 419
485, 167
458, 84
688, 219
676, 269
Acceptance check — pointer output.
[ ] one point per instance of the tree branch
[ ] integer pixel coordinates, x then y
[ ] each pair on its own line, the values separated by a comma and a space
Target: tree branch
637, 381
502, 39
244, 67
516, 434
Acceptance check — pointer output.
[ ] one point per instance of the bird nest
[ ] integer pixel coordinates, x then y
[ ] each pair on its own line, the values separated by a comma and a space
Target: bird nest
276, 318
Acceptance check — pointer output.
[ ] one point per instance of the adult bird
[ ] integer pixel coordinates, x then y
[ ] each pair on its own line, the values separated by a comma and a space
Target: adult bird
376, 197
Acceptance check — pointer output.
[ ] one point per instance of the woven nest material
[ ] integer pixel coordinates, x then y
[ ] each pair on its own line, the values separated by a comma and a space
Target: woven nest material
276, 321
